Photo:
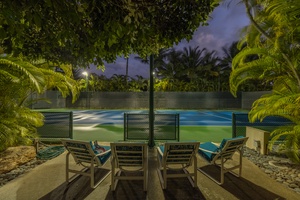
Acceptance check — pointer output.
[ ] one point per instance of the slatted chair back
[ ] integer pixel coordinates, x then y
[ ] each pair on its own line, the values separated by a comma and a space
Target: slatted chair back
218, 155
129, 156
81, 151
228, 147
85, 153
177, 156
180, 153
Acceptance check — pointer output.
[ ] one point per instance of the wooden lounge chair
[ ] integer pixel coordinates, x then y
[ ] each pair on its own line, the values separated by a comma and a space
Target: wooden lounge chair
218, 155
131, 158
177, 156
86, 154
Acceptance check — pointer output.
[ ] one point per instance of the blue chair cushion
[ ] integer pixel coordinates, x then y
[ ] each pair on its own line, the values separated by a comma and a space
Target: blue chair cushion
100, 149
225, 140
210, 147
105, 157
162, 148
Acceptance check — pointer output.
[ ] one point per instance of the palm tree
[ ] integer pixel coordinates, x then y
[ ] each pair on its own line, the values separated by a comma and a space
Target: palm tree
200, 67
126, 74
139, 84
225, 65
99, 82
274, 35
19, 80
228, 54
142, 60
191, 59
209, 71
167, 64
18, 122
77, 73
118, 83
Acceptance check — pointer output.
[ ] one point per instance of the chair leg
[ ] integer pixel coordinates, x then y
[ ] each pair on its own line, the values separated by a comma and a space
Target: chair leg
145, 174
195, 171
92, 175
83, 172
68, 170
222, 170
67, 167
145, 180
192, 180
210, 177
240, 163
165, 177
189, 177
160, 175
239, 166
112, 187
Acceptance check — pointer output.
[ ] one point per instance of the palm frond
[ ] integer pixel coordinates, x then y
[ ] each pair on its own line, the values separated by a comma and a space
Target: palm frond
33, 75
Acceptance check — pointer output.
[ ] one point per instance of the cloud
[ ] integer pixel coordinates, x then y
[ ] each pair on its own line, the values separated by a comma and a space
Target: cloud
223, 29
209, 41
135, 68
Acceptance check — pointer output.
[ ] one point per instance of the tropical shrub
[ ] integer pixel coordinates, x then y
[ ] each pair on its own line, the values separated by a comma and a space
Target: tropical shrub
274, 36
19, 81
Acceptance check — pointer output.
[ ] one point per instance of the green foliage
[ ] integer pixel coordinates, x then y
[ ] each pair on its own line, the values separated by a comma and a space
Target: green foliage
69, 34
19, 81
138, 85
85, 31
17, 125
17, 122
192, 69
273, 37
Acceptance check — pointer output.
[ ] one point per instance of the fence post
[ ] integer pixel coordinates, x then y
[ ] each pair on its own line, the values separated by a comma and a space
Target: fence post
233, 125
151, 142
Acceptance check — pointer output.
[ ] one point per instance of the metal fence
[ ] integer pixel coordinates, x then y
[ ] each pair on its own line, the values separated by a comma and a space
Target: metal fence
56, 125
240, 121
136, 126
162, 100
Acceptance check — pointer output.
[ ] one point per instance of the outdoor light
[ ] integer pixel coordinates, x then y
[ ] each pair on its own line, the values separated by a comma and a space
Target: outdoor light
86, 79
87, 86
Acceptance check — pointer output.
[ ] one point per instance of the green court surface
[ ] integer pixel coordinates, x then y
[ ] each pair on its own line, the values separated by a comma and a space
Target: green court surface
111, 133
205, 133
108, 125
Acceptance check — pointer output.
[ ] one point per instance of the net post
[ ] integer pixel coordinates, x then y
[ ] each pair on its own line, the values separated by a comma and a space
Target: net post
71, 125
233, 125
151, 142
125, 126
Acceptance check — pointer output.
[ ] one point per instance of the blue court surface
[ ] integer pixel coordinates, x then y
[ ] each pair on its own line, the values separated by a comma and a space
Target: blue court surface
108, 125
187, 117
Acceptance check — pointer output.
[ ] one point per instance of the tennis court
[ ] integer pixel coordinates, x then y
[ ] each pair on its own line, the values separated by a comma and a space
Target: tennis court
108, 125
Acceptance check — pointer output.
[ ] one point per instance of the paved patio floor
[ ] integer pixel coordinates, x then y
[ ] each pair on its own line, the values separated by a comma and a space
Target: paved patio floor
47, 181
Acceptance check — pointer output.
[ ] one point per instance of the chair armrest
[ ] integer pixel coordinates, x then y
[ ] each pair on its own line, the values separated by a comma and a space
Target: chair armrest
159, 151
217, 144
113, 158
208, 151
103, 153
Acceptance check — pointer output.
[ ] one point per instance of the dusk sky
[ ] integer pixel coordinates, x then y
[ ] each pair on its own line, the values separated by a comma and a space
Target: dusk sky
224, 28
